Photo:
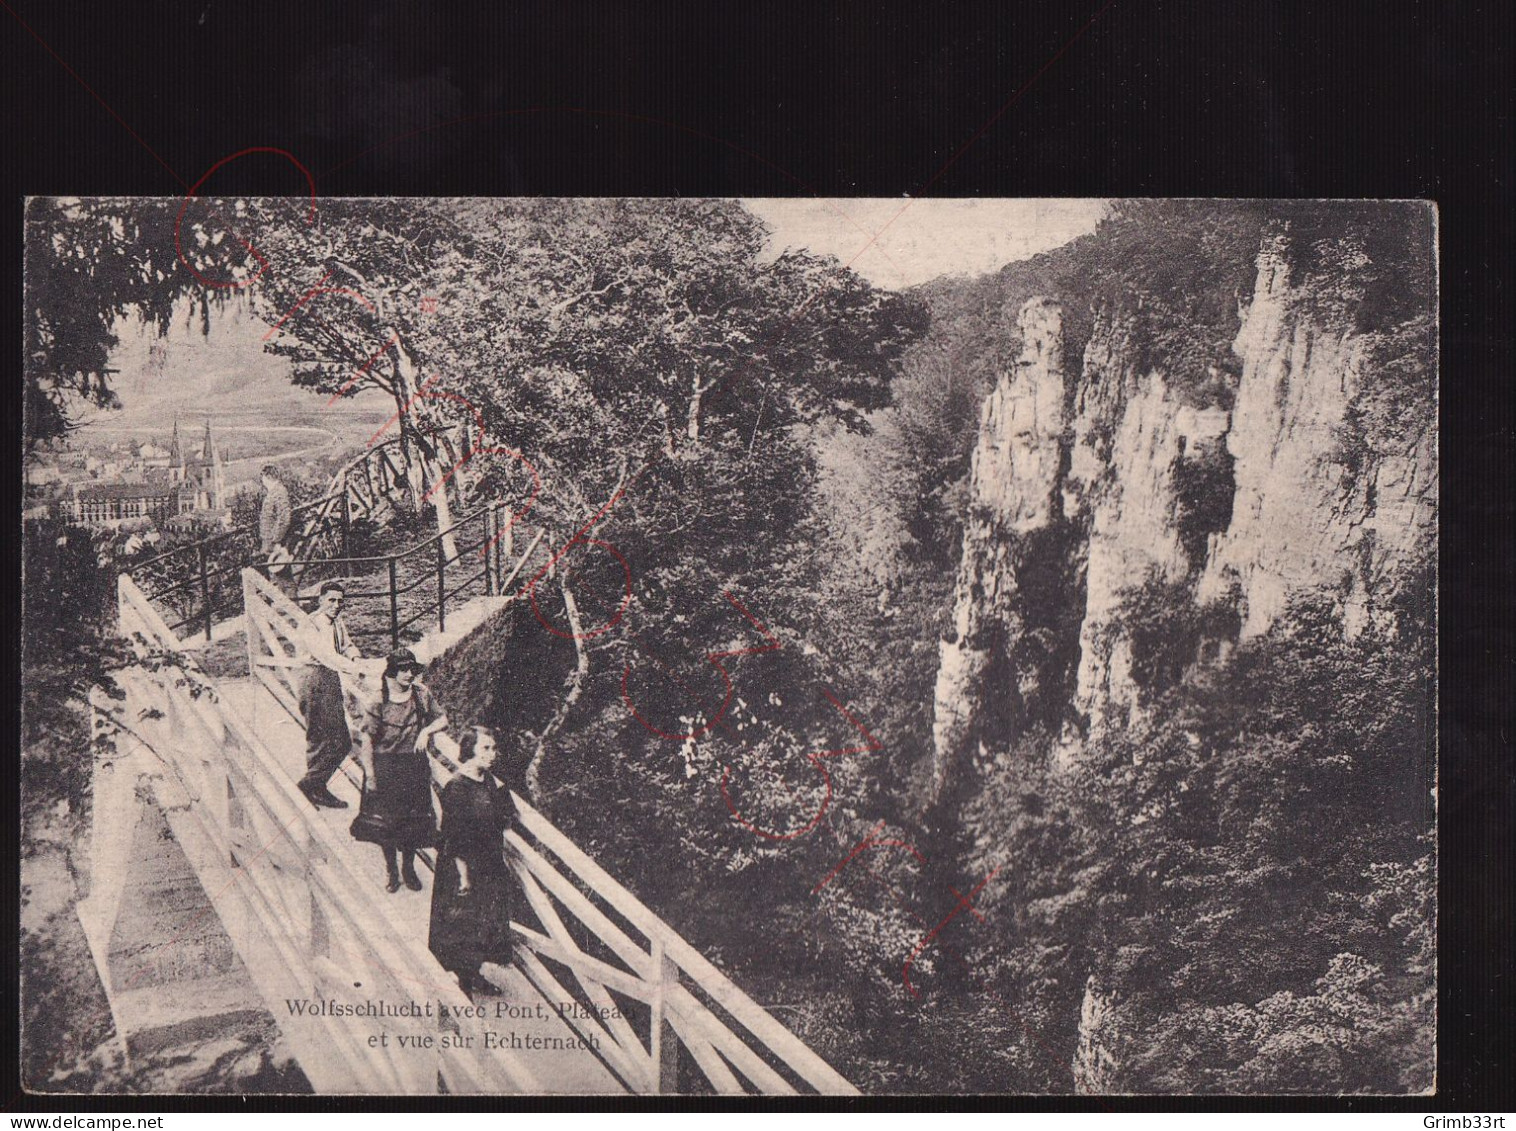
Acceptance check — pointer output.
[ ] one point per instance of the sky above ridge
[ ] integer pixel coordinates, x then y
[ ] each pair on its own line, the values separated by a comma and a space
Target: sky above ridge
900, 243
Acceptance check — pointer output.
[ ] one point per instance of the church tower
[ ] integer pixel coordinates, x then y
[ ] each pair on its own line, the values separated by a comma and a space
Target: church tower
206, 470
216, 473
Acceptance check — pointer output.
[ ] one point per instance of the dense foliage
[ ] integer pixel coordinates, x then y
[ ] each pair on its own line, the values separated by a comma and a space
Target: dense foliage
67, 647
89, 264
1236, 895
1246, 885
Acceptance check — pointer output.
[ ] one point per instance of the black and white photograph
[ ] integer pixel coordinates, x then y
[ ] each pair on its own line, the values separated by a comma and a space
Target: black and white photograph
828, 646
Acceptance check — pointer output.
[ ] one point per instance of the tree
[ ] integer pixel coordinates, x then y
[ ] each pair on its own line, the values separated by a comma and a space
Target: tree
654, 330
344, 289
665, 383
90, 263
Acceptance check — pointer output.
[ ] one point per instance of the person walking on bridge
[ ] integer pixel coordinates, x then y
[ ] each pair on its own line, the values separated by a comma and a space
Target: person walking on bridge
471, 891
396, 810
330, 653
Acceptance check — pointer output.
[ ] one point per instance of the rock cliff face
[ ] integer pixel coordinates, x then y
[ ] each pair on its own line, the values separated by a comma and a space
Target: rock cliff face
1133, 524
1301, 516
1086, 488
1014, 482
1095, 1066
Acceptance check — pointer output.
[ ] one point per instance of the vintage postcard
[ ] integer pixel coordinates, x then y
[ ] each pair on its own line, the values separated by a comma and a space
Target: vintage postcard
689, 646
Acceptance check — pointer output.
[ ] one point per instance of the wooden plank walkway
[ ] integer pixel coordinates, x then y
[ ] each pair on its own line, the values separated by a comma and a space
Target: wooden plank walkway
545, 1040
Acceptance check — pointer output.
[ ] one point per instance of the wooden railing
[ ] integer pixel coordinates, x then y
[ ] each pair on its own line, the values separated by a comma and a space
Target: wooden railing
304, 922
276, 656
195, 582
398, 596
360, 489
418, 586
365, 486
391, 597
274, 624
645, 972
190, 581
645, 994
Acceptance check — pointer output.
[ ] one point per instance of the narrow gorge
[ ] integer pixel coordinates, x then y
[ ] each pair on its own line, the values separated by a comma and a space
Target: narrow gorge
1189, 646
1091, 485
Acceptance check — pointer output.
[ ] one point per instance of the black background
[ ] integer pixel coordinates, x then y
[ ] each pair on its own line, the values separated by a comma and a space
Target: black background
1266, 99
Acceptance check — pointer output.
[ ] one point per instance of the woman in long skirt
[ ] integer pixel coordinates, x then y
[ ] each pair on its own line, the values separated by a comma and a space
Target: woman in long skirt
396, 810
471, 894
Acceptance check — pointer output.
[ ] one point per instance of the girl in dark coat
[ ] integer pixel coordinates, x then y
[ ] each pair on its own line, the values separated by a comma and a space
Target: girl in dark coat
396, 810
471, 893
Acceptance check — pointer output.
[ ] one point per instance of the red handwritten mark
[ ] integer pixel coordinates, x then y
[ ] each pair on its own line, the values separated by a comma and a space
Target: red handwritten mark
394, 340
964, 904
424, 394
253, 251
863, 845
464, 401
346, 292
871, 744
315, 290
713, 658
594, 519
429, 305
579, 539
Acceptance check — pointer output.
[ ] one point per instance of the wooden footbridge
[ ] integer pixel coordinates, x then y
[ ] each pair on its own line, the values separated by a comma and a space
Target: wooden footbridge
216, 889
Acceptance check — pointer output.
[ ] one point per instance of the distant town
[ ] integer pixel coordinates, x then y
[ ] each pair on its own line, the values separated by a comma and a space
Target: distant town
135, 485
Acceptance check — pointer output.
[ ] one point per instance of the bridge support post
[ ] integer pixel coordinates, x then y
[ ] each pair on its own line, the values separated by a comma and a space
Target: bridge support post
165, 961
116, 810
663, 1044
394, 607
490, 521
